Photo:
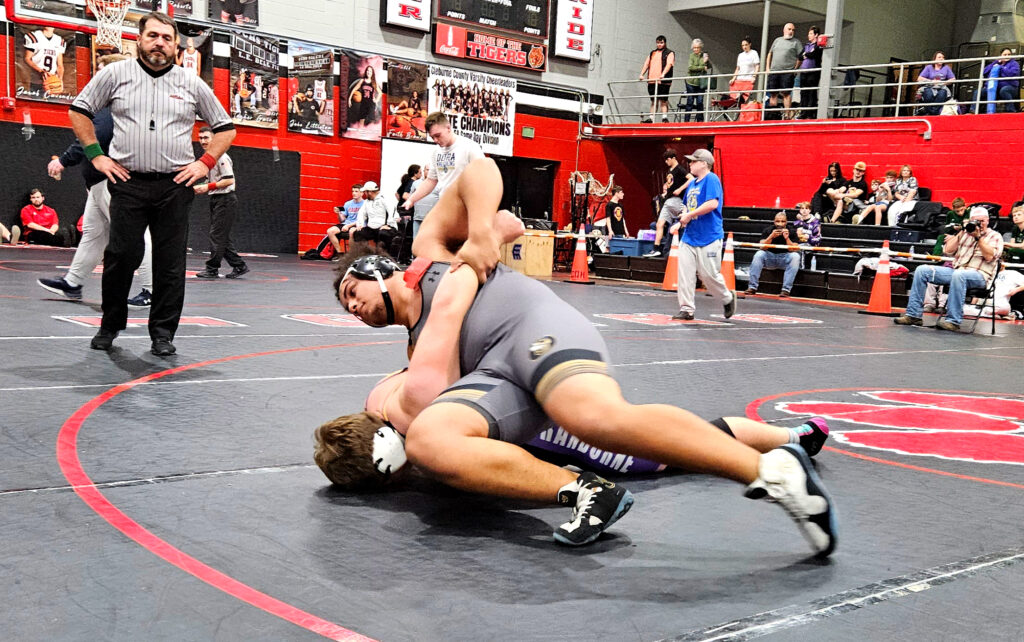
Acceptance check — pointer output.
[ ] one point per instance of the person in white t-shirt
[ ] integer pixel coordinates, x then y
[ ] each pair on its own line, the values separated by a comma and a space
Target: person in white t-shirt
748, 63
1008, 283
452, 155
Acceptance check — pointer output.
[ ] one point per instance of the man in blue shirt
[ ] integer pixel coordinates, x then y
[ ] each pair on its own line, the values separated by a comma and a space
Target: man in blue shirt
700, 248
347, 216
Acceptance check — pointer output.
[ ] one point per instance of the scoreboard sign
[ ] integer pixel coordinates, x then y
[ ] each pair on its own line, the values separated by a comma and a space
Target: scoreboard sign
457, 42
523, 18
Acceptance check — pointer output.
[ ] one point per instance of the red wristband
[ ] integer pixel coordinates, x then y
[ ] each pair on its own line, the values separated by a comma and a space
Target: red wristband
208, 160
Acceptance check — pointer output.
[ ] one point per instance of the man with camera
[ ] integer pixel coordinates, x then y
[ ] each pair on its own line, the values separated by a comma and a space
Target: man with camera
975, 250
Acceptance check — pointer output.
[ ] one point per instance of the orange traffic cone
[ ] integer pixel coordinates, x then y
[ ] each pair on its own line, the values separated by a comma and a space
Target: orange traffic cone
580, 272
672, 266
729, 264
881, 290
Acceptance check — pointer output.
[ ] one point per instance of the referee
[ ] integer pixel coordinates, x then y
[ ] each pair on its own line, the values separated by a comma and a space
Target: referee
151, 169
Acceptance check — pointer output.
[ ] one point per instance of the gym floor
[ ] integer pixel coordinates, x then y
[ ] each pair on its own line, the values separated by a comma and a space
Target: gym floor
176, 499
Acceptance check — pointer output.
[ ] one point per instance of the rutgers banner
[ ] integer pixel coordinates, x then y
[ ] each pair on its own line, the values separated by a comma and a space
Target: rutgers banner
480, 106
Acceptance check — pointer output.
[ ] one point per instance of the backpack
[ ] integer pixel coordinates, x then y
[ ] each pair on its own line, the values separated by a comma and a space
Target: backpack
322, 252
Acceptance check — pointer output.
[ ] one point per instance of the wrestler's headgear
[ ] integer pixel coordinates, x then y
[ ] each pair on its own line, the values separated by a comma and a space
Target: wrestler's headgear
376, 267
388, 450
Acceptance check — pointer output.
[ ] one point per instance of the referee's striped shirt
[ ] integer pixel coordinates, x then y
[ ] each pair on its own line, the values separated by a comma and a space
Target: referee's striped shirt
154, 113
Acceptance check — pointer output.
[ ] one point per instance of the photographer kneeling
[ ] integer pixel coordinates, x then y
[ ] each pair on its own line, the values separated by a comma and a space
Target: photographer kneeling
975, 251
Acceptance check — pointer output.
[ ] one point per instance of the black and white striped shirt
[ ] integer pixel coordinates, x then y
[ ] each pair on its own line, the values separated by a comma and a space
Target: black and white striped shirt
154, 113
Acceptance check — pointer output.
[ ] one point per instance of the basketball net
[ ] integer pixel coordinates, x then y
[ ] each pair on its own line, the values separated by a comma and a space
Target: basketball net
595, 187
110, 19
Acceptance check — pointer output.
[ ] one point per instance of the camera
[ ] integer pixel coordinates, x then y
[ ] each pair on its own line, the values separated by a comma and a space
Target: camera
970, 226
952, 228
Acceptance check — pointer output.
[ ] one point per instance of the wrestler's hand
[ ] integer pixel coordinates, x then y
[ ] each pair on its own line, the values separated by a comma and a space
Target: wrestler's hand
481, 255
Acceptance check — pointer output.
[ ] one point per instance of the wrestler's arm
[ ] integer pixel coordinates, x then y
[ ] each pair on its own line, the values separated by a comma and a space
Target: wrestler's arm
434, 364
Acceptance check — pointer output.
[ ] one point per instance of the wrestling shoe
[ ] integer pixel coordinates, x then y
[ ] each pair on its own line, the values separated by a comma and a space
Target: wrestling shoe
598, 503
60, 286
786, 477
141, 300
812, 435
237, 272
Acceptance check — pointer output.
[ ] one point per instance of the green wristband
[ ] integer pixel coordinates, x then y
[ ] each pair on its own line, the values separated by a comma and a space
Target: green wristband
94, 150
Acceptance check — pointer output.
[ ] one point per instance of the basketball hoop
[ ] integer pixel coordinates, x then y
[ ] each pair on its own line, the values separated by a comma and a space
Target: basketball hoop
110, 18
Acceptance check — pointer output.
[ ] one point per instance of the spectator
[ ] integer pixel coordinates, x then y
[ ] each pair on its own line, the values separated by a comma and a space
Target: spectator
810, 74
833, 180
976, 250
1013, 241
374, 222
850, 198
424, 205
904, 196
1009, 284
39, 222
784, 56
699, 66
954, 223
348, 215
933, 89
808, 228
784, 256
881, 196
700, 248
614, 217
405, 188
675, 184
10, 235
659, 67
748, 64
1002, 67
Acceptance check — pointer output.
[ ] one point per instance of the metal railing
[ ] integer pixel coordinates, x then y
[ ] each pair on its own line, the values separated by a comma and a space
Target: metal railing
886, 87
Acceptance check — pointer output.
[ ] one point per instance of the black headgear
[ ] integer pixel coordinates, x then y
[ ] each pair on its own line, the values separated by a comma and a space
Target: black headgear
378, 268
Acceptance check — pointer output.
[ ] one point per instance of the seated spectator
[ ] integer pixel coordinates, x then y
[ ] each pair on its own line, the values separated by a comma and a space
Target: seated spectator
881, 196
904, 195
954, 223
348, 214
934, 89
1009, 284
976, 250
1013, 240
39, 222
849, 199
375, 223
1003, 67
9, 235
785, 258
675, 184
833, 180
748, 63
808, 228
695, 83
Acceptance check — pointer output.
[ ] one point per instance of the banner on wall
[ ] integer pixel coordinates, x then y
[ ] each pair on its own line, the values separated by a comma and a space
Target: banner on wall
410, 14
254, 76
574, 21
128, 48
480, 106
45, 64
359, 111
244, 13
182, 8
311, 84
407, 101
195, 51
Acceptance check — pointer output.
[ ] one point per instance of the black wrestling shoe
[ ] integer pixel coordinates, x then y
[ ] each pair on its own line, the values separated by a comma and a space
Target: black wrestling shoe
598, 504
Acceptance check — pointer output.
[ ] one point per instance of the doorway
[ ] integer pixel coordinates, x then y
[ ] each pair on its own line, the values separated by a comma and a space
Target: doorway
529, 185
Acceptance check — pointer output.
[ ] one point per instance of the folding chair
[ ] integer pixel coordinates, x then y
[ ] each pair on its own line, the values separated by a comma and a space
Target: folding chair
721, 108
988, 298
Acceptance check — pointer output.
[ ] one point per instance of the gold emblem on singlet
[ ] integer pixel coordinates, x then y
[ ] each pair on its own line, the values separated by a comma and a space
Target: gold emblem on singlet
540, 347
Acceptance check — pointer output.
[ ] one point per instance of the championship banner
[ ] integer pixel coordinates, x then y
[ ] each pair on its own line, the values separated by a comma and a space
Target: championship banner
195, 51
244, 13
407, 101
45, 64
254, 75
311, 92
480, 106
359, 107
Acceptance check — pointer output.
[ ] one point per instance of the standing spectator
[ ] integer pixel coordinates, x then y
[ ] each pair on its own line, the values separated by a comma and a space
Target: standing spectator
659, 67
881, 196
374, 222
748, 64
808, 228
348, 215
784, 56
976, 250
833, 180
151, 169
405, 188
955, 219
223, 211
933, 90
696, 84
423, 206
850, 198
810, 74
1013, 241
40, 222
700, 249
904, 195
615, 216
1003, 67
785, 255
673, 191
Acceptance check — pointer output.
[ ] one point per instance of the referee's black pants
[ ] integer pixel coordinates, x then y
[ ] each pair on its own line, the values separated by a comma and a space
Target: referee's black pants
223, 210
157, 202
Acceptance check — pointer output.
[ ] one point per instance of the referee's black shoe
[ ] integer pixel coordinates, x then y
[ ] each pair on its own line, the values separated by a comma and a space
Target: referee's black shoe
103, 340
162, 347
237, 272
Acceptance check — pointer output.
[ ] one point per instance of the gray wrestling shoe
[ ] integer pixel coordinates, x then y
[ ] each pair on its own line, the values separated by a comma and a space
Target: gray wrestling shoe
599, 503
